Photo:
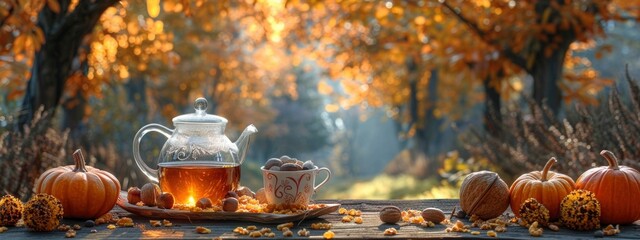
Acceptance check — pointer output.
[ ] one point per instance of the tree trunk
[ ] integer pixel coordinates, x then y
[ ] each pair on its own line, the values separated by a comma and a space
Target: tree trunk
64, 33
492, 115
547, 72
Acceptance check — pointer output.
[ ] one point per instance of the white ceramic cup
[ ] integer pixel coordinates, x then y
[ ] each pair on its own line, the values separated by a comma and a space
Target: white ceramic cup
291, 189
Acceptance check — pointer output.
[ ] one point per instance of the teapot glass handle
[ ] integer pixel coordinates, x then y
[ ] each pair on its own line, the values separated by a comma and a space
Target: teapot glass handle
152, 174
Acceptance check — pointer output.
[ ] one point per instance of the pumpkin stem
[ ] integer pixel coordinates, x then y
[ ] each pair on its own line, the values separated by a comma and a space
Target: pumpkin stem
546, 168
612, 159
79, 159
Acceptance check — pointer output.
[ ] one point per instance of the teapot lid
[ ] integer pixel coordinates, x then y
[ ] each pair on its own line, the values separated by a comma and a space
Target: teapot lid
200, 116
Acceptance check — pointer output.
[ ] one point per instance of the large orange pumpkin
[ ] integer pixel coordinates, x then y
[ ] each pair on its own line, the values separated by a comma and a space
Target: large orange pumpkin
548, 187
616, 187
85, 192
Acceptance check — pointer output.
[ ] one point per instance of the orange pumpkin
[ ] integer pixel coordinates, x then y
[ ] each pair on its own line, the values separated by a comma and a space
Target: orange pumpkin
547, 187
616, 187
85, 192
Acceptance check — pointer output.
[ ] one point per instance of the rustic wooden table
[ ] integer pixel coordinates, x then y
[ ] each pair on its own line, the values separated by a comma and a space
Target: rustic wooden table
371, 228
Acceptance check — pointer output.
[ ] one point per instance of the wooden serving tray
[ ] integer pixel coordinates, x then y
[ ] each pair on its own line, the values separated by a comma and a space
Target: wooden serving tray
154, 212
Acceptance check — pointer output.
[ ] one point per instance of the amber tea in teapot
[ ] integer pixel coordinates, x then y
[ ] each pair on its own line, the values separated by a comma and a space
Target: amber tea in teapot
197, 160
188, 183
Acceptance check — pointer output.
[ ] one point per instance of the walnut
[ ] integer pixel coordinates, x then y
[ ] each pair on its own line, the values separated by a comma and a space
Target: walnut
390, 214
484, 194
434, 215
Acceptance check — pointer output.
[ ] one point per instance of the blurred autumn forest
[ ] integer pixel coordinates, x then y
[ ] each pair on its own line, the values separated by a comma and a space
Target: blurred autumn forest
398, 98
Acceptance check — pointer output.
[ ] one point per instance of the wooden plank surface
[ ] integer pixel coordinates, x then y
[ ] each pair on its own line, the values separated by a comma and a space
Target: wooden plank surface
371, 228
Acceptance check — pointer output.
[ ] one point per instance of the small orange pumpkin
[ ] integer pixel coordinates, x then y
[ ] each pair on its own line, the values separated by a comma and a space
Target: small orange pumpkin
85, 192
547, 187
616, 187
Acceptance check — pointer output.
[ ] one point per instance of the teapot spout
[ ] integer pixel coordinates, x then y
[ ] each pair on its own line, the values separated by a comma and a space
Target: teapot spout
244, 140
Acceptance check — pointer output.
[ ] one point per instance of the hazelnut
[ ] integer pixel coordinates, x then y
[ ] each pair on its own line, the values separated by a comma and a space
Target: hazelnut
133, 195
273, 162
275, 168
290, 167
166, 201
231, 194
149, 193
390, 214
204, 203
245, 191
230, 204
434, 215
484, 194
308, 165
287, 159
261, 195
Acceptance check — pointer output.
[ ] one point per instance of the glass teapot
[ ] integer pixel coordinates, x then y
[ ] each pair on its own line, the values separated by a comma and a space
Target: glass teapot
197, 160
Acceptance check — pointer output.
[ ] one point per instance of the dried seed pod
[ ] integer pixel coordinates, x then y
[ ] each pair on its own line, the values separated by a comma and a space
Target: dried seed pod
434, 215
149, 194
533, 211
133, 195
580, 210
390, 214
42, 213
484, 194
10, 210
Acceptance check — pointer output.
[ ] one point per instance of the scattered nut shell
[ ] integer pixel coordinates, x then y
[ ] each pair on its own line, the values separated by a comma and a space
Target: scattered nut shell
390, 214
202, 230
204, 203
261, 195
245, 191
